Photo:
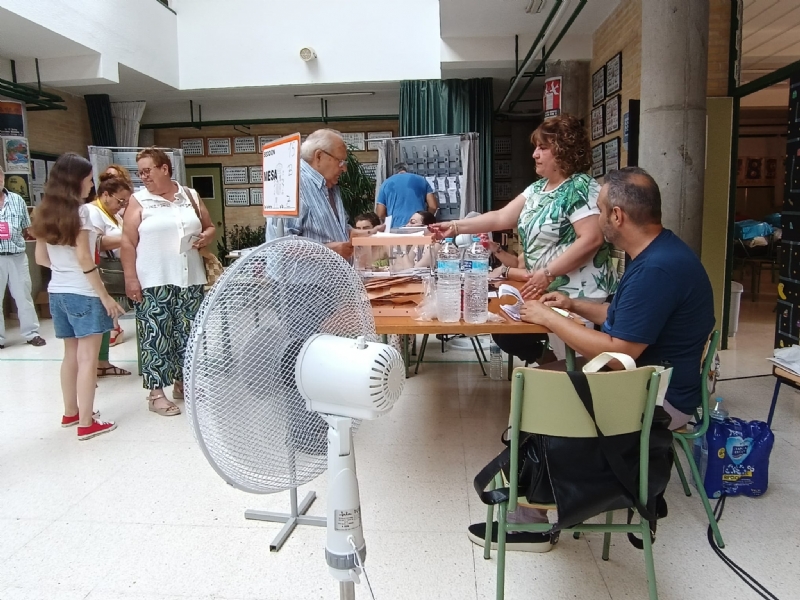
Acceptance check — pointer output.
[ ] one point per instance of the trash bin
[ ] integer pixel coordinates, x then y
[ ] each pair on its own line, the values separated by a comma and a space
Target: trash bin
736, 300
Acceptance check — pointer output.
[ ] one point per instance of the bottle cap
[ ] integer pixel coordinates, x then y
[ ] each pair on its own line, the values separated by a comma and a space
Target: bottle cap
476, 238
448, 239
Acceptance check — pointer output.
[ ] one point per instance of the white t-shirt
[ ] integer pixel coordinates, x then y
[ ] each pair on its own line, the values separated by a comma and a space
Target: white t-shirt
68, 276
103, 224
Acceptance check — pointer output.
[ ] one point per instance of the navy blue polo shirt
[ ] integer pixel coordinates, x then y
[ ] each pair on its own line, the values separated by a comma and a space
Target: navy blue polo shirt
665, 300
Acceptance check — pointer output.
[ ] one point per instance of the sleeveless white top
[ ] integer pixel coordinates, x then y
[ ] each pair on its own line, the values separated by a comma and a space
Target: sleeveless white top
158, 257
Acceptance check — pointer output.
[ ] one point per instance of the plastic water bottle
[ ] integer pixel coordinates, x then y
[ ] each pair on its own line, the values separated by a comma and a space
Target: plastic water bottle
719, 413
495, 362
448, 283
476, 282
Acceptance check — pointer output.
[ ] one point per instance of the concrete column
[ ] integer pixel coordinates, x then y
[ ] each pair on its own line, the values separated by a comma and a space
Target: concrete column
574, 85
672, 140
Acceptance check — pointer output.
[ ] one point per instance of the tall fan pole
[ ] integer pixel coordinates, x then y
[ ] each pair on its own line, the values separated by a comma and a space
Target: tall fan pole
279, 226
347, 590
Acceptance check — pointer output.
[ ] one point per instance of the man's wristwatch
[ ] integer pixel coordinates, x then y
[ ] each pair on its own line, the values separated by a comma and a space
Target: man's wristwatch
504, 272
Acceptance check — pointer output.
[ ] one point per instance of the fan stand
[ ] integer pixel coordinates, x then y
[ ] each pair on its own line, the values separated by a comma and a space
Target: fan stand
297, 516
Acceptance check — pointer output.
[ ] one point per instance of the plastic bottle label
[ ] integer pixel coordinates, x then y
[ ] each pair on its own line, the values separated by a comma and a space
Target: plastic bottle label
477, 264
448, 266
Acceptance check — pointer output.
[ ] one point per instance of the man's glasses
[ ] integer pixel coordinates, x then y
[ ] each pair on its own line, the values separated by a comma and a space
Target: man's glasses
146, 171
341, 162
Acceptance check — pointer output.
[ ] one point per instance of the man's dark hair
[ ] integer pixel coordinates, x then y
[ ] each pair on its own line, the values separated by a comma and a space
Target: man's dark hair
400, 167
635, 192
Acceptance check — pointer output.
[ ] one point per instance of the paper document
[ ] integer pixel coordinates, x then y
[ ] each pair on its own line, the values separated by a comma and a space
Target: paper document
787, 358
187, 241
512, 310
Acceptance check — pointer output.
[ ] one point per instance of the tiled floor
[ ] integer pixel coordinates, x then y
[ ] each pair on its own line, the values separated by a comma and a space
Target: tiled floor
138, 514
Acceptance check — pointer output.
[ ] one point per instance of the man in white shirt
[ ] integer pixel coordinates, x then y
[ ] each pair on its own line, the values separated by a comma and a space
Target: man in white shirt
14, 273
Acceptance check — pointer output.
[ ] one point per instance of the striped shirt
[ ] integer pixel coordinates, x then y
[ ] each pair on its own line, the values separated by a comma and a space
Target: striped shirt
317, 221
15, 213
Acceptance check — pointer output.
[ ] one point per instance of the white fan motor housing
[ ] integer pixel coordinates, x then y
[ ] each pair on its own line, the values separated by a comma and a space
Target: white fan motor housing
349, 377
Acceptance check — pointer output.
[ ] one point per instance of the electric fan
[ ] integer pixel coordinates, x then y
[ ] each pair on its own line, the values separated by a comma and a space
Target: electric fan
281, 364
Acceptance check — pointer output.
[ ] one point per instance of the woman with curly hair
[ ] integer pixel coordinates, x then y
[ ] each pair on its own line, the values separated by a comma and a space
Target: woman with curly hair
556, 216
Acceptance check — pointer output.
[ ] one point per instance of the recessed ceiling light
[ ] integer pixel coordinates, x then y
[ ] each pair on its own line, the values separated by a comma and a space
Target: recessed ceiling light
535, 6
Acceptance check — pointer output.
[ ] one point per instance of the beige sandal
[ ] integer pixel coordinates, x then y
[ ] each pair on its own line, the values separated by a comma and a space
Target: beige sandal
177, 391
164, 411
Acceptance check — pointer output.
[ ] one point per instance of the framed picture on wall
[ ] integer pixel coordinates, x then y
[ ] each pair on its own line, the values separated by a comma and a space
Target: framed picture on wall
219, 146
597, 161
370, 169
614, 74
266, 139
193, 146
256, 175
256, 196
374, 136
355, 141
237, 197
244, 145
599, 86
234, 175
613, 108
611, 155
598, 123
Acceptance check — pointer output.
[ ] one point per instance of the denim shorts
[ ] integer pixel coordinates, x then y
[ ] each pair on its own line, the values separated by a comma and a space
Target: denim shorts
77, 316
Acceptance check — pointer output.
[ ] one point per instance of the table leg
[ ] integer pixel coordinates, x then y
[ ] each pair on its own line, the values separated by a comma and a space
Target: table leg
406, 355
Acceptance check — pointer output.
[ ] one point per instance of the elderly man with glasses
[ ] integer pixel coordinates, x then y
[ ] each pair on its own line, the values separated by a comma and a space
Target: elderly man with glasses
322, 216
14, 273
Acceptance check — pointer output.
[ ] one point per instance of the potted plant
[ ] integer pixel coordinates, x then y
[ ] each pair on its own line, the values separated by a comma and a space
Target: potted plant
357, 188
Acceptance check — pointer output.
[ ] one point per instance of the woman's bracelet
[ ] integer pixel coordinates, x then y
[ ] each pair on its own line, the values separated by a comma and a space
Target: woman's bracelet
504, 272
94, 268
455, 228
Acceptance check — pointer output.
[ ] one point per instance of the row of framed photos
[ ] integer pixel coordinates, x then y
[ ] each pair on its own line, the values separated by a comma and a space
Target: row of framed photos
605, 157
606, 118
250, 144
607, 80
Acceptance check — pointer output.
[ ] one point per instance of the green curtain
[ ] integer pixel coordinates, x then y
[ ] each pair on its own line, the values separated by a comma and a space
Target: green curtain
101, 122
452, 106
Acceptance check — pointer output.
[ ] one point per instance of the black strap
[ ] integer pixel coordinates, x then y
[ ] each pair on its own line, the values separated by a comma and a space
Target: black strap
581, 384
488, 473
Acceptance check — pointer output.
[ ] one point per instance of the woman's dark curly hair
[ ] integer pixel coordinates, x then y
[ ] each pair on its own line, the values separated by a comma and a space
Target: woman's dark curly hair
567, 139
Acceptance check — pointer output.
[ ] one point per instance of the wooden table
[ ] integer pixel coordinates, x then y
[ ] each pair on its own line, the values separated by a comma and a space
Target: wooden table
406, 326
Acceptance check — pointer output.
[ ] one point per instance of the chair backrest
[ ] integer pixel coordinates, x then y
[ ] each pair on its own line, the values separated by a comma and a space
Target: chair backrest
547, 403
705, 369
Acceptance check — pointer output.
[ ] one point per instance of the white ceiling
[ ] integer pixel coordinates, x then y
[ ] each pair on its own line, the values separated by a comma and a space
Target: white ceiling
502, 18
770, 36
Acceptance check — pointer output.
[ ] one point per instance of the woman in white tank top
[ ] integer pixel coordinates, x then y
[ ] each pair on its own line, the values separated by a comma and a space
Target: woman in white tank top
163, 229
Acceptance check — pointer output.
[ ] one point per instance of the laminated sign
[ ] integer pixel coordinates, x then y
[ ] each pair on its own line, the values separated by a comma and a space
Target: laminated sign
281, 175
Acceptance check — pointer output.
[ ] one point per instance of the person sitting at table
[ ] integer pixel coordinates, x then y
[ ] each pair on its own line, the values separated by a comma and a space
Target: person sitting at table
417, 256
562, 245
663, 312
366, 221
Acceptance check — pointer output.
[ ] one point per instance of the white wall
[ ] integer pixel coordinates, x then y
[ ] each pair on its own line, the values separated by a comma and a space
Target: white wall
241, 43
141, 34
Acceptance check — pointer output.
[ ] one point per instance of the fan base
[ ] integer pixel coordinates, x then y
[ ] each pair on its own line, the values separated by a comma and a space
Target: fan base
296, 517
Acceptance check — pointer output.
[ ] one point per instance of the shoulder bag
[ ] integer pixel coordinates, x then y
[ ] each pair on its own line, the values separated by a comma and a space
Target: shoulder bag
212, 264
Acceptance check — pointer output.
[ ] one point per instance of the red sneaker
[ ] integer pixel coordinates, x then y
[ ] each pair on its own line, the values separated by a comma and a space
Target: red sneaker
70, 421
95, 429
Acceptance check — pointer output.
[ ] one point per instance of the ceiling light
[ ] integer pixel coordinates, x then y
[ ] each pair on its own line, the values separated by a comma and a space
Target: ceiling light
307, 53
328, 95
535, 6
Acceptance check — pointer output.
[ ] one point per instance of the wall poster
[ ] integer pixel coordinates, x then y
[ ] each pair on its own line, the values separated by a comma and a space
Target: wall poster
237, 197
611, 152
552, 97
244, 145
234, 175
256, 175
16, 158
256, 196
376, 135
219, 146
598, 164
193, 146
599, 86
614, 74
12, 118
598, 123
282, 177
354, 141
266, 139
612, 114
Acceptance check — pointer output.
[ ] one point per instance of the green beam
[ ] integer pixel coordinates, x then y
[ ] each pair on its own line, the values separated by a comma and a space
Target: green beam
550, 51
197, 124
767, 80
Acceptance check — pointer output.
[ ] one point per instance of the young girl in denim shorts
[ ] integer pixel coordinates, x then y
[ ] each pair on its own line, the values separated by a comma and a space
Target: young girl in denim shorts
81, 308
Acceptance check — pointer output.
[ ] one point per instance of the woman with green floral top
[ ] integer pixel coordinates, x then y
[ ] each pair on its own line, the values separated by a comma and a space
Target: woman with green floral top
556, 216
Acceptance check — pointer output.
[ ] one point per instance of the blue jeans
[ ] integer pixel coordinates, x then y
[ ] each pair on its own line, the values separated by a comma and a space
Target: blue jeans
77, 316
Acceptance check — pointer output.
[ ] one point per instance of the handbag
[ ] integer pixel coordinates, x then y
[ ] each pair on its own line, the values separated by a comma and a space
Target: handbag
211, 263
110, 268
585, 477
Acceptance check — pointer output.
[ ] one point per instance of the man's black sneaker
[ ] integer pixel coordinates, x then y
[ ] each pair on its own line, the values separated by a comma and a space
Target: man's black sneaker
520, 541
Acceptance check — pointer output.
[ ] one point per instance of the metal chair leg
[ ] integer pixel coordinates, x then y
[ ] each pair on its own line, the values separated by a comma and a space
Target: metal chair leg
679, 468
480, 347
607, 535
701, 490
510, 365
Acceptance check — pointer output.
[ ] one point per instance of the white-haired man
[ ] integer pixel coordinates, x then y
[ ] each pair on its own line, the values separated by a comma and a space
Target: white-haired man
14, 221
323, 158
